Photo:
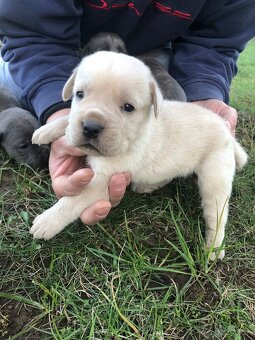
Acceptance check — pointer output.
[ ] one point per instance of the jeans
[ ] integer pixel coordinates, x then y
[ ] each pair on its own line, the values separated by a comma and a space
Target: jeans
6, 79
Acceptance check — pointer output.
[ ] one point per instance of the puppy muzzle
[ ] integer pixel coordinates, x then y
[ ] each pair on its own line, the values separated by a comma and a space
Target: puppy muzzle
91, 129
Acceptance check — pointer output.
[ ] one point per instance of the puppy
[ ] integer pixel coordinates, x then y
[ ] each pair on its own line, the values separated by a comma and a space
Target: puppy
7, 99
16, 129
169, 87
120, 121
107, 41
104, 41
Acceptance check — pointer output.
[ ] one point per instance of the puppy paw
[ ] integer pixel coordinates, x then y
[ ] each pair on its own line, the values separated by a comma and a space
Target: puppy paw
44, 227
217, 255
144, 189
42, 136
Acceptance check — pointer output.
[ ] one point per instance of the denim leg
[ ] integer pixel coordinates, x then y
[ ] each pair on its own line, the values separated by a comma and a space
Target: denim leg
6, 79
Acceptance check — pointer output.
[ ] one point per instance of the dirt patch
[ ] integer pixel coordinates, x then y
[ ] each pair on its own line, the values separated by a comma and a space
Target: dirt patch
14, 317
6, 181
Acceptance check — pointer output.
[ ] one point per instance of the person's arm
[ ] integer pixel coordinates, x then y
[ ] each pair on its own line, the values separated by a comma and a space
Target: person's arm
40, 43
205, 56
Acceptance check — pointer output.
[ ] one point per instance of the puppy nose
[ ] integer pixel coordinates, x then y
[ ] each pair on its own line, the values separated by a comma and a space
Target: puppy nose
91, 129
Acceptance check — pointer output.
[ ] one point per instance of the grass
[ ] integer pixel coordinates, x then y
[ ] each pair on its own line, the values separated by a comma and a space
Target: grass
143, 272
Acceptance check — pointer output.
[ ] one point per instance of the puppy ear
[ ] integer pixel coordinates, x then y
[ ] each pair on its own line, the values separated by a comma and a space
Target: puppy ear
68, 88
156, 97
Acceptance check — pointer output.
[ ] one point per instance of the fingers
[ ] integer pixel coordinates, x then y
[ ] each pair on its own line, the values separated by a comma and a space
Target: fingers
61, 148
67, 169
70, 185
96, 212
117, 187
228, 113
69, 177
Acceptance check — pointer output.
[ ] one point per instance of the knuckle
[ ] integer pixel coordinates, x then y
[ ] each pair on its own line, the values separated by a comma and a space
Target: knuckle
57, 191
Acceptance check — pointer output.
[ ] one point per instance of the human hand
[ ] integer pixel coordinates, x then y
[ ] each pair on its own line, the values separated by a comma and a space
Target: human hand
69, 177
228, 113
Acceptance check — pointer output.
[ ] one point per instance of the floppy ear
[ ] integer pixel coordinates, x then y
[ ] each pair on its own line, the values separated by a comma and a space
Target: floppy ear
156, 97
68, 88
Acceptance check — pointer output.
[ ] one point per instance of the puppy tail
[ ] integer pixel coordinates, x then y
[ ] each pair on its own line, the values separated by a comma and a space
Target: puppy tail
241, 156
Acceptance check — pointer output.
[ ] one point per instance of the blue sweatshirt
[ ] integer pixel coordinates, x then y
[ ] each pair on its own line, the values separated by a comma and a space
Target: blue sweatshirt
41, 39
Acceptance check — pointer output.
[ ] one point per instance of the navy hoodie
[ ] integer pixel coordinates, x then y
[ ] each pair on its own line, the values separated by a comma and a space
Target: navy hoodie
41, 39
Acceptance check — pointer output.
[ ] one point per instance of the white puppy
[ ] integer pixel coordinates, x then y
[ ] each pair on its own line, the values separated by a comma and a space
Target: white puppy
120, 121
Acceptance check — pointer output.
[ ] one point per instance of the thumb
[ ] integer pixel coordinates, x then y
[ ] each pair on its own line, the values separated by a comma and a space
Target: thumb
229, 114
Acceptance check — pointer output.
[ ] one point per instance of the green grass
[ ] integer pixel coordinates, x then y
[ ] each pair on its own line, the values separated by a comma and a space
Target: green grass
143, 272
242, 96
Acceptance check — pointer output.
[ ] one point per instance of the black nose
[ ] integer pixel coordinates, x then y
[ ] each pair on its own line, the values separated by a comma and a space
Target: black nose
91, 129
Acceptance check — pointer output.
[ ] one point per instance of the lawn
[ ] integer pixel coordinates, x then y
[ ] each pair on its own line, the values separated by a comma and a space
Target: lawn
143, 272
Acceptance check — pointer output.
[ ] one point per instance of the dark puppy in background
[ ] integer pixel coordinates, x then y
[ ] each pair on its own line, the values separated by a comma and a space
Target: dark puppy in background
169, 87
7, 99
107, 41
16, 129
104, 41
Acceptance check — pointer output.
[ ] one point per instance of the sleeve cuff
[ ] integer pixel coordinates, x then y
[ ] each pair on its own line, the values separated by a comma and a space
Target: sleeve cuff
200, 90
54, 108
47, 99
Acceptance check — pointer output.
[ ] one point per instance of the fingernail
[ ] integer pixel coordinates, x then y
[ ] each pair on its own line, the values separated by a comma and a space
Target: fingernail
228, 124
86, 179
102, 212
120, 184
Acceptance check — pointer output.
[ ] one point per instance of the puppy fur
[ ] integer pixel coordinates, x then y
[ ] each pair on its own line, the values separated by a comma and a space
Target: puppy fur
16, 129
104, 41
107, 41
7, 99
157, 141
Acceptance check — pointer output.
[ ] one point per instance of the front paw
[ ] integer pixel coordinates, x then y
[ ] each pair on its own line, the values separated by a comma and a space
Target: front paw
143, 188
41, 136
217, 255
44, 227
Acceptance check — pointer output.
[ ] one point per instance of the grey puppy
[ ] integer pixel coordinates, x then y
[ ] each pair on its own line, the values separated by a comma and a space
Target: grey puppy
7, 99
107, 41
16, 129
104, 41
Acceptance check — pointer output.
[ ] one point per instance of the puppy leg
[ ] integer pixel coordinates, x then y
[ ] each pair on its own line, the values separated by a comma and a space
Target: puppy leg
147, 188
67, 210
215, 176
50, 132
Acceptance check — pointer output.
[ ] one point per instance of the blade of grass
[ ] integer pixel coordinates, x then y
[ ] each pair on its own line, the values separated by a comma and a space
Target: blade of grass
22, 299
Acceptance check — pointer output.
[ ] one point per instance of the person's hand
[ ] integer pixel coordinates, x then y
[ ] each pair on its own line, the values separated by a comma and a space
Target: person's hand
228, 113
69, 176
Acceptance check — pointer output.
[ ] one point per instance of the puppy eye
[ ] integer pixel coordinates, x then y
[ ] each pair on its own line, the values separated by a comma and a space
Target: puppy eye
127, 107
79, 94
23, 146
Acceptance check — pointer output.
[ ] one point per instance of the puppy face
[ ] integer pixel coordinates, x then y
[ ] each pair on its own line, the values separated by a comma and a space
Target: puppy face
114, 95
